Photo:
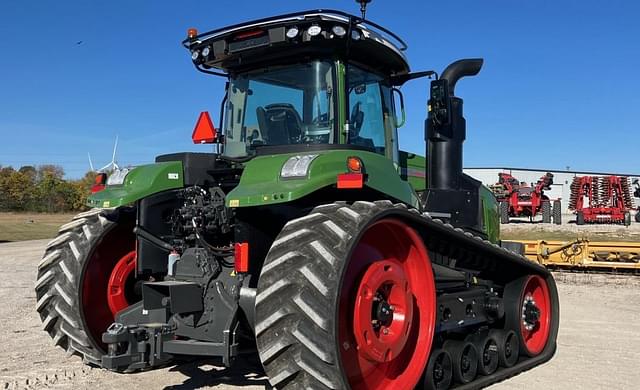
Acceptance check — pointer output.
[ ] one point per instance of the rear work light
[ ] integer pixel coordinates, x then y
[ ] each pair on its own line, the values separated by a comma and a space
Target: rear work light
241, 264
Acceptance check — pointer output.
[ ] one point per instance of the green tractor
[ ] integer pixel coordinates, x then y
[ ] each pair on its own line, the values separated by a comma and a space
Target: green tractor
305, 237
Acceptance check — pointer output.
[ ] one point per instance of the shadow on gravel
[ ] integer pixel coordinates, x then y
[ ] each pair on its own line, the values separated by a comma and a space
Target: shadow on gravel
4, 241
201, 373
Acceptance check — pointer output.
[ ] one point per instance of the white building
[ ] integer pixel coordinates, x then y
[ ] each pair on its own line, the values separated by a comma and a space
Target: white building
561, 187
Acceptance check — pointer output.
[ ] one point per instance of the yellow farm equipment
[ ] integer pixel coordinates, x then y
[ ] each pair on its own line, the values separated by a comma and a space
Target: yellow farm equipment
582, 254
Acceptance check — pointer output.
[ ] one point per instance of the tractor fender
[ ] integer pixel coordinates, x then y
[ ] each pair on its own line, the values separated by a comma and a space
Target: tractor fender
139, 183
262, 183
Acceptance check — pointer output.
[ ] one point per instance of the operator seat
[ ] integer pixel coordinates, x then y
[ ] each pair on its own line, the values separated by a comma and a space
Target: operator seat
356, 121
280, 124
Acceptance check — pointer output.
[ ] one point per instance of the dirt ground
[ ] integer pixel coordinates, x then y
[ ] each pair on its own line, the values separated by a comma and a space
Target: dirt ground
598, 345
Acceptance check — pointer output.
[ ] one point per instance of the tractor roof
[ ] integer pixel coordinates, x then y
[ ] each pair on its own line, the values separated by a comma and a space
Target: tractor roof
294, 37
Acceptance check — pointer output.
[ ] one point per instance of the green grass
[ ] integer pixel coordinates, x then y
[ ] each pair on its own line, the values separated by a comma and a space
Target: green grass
30, 226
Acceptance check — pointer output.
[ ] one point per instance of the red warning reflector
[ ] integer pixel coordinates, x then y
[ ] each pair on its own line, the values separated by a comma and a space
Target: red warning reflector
248, 34
350, 180
242, 257
204, 132
100, 183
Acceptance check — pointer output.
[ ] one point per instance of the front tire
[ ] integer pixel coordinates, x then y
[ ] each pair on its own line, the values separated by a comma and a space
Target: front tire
71, 286
316, 294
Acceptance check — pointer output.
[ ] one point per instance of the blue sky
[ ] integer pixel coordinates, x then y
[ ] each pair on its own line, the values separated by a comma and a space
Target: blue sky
559, 85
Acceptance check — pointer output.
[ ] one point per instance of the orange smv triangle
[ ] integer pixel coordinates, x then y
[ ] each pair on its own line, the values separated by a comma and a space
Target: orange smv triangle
204, 132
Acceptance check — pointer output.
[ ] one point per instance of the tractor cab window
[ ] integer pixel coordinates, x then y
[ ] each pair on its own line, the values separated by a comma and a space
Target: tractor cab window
366, 110
279, 106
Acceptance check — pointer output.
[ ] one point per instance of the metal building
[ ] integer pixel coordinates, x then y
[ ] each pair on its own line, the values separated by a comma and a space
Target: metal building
561, 187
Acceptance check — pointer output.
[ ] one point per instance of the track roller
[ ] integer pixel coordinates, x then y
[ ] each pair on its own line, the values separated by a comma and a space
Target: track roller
439, 372
465, 360
508, 346
487, 352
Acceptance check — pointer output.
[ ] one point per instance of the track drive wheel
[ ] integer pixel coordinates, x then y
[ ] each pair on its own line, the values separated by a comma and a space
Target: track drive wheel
346, 299
528, 308
84, 278
557, 212
504, 212
580, 218
546, 211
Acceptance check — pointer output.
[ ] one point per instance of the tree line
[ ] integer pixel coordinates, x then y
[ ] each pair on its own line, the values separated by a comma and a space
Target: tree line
42, 189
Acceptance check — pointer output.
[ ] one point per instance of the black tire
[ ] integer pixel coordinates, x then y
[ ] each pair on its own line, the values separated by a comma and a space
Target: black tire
504, 212
298, 295
627, 218
439, 372
546, 211
638, 216
487, 353
580, 218
465, 360
508, 346
557, 212
59, 282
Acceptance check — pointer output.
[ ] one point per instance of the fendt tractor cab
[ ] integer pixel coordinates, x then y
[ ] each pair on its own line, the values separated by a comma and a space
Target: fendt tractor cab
306, 238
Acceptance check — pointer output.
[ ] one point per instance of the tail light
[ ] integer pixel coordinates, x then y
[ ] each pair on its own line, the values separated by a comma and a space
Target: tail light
241, 264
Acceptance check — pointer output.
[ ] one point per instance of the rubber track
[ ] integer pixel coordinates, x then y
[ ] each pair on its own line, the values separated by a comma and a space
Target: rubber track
298, 288
58, 283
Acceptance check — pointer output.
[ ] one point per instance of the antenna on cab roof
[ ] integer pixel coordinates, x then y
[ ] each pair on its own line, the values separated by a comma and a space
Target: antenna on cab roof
363, 7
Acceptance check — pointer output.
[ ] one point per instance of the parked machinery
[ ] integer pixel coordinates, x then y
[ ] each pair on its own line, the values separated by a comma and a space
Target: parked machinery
299, 241
636, 194
601, 199
584, 255
517, 199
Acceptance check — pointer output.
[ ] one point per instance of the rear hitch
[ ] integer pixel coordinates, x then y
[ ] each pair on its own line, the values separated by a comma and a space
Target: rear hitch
134, 347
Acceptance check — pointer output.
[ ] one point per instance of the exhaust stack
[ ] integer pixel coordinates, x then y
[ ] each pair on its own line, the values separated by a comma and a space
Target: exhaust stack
450, 194
446, 127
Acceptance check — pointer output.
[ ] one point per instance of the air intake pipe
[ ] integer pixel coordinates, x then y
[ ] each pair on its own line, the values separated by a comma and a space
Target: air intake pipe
445, 127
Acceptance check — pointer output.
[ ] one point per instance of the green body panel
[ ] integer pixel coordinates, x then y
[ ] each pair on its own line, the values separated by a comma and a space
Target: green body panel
413, 168
261, 184
490, 214
140, 182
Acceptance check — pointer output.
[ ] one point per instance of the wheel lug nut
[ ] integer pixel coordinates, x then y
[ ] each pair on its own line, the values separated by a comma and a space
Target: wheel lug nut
385, 331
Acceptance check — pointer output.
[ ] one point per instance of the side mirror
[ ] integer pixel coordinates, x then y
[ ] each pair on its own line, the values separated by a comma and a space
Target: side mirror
398, 98
439, 102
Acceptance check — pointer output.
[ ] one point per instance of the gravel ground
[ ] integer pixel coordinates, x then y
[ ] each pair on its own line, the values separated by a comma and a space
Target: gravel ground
599, 341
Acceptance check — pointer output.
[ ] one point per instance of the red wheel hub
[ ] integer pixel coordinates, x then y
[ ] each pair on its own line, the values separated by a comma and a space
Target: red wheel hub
117, 287
387, 308
383, 311
535, 314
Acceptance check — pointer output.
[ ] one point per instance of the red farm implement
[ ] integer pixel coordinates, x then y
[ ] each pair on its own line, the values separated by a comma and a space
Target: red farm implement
601, 199
517, 199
